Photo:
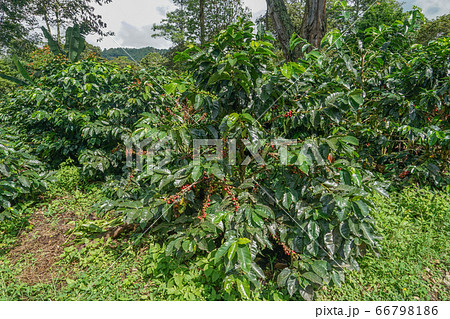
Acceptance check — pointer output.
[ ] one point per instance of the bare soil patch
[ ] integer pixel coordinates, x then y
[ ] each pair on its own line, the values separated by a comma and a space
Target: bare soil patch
39, 249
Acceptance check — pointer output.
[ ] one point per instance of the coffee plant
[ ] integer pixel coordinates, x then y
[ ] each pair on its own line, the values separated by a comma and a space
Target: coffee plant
81, 110
307, 202
20, 173
265, 167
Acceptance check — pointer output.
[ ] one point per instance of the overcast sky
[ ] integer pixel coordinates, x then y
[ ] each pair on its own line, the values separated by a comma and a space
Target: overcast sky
132, 20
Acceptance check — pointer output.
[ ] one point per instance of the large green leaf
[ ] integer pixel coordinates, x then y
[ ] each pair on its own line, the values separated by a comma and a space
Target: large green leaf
259, 272
75, 43
350, 140
22, 70
13, 79
357, 96
286, 70
264, 211
292, 285
312, 277
232, 251
243, 287
54, 45
222, 250
320, 268
228, 283
197, 172
217, 171
369, 233
219, 77
283, 277
244, 257
313, 230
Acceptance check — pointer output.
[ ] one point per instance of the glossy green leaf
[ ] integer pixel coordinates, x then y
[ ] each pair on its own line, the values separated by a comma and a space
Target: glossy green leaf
320, 268
243, 288
197, 172
292, 285
283, 277
264, 211
312, 277
357, 96
232, 250
244, 258
222, 251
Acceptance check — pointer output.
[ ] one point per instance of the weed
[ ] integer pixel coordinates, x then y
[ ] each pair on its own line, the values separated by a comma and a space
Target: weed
414, 262
413, 265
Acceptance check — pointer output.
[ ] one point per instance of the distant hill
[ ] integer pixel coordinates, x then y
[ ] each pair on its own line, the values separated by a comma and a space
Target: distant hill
137, 54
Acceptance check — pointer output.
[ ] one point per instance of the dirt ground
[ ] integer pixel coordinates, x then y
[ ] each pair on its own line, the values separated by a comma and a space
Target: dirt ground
41, 247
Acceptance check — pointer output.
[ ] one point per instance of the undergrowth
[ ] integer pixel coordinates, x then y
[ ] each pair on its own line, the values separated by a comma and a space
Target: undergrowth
413, 264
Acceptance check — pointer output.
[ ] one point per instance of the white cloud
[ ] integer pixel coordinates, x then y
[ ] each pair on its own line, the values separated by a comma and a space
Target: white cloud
130, 20
162, 10
131, 36
431, 8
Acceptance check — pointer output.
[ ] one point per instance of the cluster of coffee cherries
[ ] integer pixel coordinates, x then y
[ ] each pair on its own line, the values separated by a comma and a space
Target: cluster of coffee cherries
288, 114
286, 249
136, 83
204, 116
229, 190
404, 174
255, 189
297, 171
205, 207
205, 175
170, 111
184, 189
207, 201
130, 180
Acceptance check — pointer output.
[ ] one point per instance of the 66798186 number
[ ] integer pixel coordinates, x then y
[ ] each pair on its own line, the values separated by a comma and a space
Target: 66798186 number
407, 310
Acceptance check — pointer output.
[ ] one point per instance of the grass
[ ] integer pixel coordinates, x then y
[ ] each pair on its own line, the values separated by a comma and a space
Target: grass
414, 263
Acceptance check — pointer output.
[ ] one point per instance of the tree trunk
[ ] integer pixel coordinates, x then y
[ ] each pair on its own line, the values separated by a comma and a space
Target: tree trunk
283, 26
47, 23
58, 23
202, 22
314, 23
45, 11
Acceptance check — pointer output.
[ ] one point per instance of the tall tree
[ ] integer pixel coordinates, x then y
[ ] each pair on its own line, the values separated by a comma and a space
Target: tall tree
379, 13
202, 22
314, 24
16, 24
18, 18
59, 14
284, 28
431, 30
199, 20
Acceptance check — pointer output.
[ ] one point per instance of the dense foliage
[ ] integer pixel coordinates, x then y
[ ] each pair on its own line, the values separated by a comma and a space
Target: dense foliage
199, 21
302, 145
431, 30
19, 20
21, 174
81, 109
136, 54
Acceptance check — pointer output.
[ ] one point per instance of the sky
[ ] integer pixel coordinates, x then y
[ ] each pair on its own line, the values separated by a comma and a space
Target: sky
132, 20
